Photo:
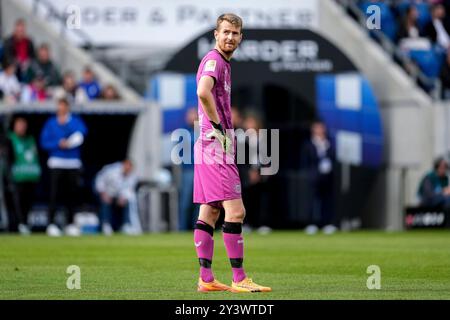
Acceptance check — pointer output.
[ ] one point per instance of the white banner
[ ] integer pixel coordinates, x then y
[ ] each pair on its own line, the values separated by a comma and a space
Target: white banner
172, 23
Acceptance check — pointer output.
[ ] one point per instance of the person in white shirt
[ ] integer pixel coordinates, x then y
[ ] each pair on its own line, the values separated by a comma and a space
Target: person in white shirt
115, 184
9, 85
408, 35
408, 28
70, 90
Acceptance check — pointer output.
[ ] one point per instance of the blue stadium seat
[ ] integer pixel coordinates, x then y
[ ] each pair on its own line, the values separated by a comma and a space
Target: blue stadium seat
429, 61
402, 6
424, 14
388, 22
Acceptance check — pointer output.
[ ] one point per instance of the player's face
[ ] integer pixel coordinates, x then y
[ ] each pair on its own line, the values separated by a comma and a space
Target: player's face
228, 37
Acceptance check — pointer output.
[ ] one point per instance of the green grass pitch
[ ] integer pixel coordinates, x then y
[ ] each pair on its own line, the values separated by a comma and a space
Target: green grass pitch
414, 265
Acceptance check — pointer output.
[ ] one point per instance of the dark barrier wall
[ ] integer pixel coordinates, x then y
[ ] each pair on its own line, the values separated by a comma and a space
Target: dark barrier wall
106, 142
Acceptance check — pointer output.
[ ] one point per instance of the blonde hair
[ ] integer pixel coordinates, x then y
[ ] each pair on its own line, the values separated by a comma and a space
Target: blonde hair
231, 18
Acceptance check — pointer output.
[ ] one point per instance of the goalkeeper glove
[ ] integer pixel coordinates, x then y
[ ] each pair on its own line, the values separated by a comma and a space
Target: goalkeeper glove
219, 133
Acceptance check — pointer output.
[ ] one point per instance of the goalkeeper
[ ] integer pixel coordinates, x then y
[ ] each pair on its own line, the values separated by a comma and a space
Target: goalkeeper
216, 178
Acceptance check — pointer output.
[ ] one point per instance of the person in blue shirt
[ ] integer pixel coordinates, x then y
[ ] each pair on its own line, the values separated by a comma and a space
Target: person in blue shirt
89, 84
62, 137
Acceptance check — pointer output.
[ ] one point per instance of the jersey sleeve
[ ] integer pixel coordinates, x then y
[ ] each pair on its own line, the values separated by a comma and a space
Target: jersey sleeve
211, 68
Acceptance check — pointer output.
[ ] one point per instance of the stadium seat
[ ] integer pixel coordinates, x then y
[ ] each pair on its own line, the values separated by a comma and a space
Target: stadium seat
424, 14
429, 61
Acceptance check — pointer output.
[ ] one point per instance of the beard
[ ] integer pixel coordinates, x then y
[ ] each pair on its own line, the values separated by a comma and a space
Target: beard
228, 49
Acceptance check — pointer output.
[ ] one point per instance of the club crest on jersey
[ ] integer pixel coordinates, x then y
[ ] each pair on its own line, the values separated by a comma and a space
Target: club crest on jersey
210, 65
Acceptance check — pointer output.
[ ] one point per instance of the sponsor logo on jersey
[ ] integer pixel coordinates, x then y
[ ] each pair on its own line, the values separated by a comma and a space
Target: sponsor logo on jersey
210, 65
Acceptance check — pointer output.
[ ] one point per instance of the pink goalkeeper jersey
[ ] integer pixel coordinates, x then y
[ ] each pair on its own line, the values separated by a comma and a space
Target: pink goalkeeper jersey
215, 65
216, 177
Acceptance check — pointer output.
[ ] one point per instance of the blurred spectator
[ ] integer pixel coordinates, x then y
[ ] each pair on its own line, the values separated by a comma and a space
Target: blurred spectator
433, 189
109, 92
435, 29
188, 210
248, 173
19, 48
317, 158
253, 184
34, 92
238, 124
1, 50
408, 26
44, 66
252, 124
445, 77
9, 85
408, 35
236, 118
23, 173
62, 137
70, 90
115, 184
90, 84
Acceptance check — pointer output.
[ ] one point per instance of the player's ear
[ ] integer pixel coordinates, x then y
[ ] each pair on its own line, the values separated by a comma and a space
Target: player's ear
215, 34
